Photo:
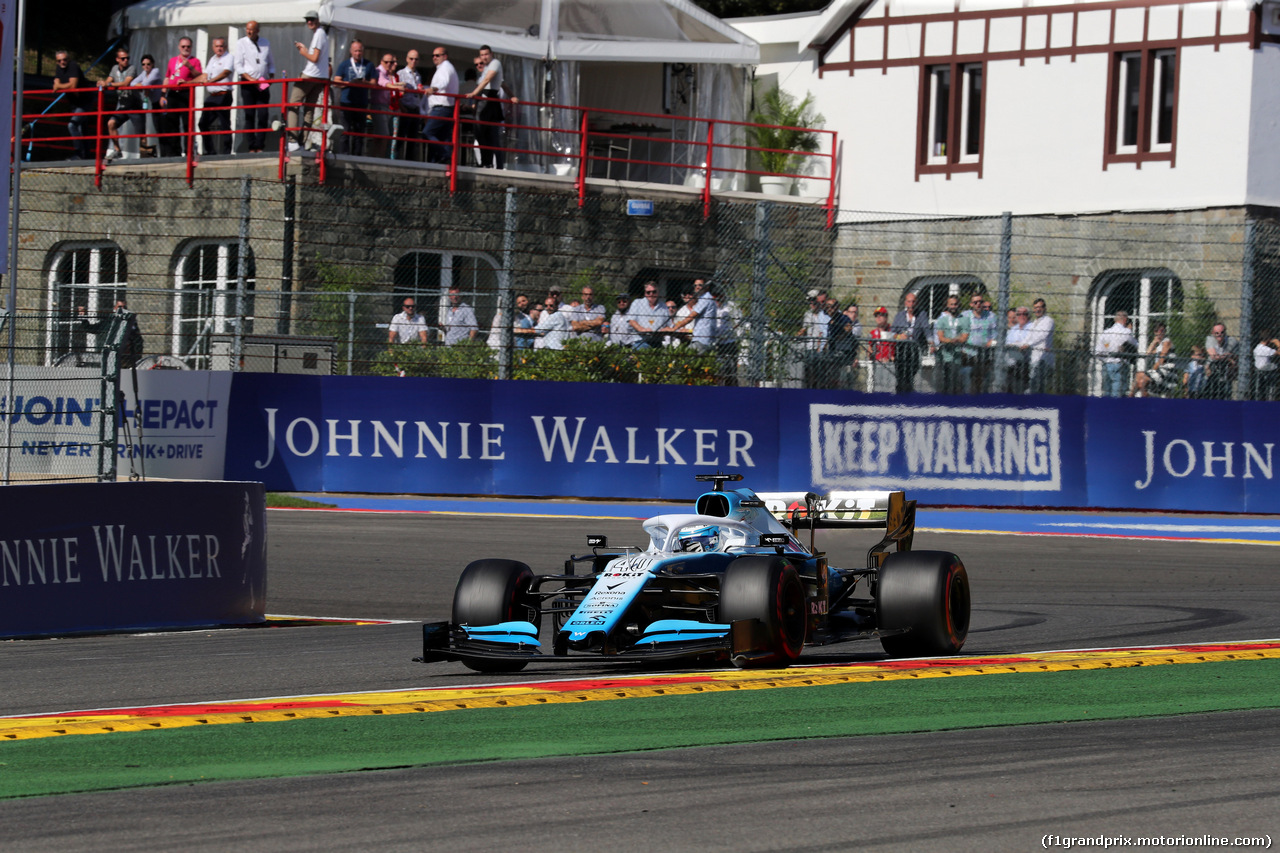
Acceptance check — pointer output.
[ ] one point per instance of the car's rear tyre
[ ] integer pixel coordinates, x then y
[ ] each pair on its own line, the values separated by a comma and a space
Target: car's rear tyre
766, 589
493, 591
926, 592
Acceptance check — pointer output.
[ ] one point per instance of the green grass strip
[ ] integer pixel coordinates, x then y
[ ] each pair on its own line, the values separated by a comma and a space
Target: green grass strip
281, 500
255, 750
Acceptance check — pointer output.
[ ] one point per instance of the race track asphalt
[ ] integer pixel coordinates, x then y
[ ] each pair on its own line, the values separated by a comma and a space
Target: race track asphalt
986, 789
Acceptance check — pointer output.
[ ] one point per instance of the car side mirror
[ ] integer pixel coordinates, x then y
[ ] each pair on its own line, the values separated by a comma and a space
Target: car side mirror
597, 541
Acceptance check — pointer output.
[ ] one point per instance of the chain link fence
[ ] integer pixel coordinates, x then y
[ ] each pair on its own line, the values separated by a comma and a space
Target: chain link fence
255, 272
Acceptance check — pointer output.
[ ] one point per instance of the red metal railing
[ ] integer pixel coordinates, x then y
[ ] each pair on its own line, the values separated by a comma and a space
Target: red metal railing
571, 140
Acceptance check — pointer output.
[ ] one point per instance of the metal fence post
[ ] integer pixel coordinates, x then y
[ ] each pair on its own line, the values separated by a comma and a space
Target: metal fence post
351, 329
242, 270
759, 293
1244, 387
1002, 298
504, 316
286, 255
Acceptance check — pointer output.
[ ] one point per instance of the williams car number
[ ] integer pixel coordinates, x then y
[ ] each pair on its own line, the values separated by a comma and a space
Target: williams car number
613, 592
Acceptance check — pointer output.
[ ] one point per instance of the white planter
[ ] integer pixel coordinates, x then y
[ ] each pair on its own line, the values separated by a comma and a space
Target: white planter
775, 185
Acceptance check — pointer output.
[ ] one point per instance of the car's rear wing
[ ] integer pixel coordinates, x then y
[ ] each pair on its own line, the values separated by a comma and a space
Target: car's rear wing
890, 511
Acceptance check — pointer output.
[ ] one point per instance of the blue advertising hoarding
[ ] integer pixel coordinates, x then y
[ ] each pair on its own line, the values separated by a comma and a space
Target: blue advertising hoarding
78, 558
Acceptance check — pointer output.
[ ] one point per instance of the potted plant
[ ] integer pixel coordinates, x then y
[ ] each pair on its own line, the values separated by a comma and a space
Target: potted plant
782, 136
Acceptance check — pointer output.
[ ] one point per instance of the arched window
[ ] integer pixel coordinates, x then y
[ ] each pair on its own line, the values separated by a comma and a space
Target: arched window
206, 298
91, 276
932, 291
1148, 295
427, 277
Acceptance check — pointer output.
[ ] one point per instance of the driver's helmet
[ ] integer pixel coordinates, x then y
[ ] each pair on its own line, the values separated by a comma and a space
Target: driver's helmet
700, 538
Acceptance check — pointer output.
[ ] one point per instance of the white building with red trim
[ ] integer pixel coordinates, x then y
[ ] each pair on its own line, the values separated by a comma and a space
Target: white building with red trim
1040, 106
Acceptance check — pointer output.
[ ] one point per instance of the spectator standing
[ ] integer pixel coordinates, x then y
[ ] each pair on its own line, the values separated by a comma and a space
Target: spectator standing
460, 320
255, 65
304, 94
354, 99
380, 107
1222, 362
952, 330
813, 335
912, 329
553, 325
1111, 351
884, 360
522, 331
728, 322
841, 345
587, 319
620, 331
647, 316
439, 105
981, 343
702, 312
175, 98
1265, 367
67, 77
219, 71
489, 114
126, 103
1017, 352
149, 76
411, 107
1039, 340
1161, 375
132, 347
1193, 380
407, 325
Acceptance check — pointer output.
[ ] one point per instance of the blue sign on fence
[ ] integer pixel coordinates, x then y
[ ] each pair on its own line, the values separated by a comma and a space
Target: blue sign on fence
636, 207
77, 558
445, 436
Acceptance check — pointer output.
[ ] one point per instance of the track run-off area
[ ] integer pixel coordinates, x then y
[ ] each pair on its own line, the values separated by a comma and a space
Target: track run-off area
1120, 676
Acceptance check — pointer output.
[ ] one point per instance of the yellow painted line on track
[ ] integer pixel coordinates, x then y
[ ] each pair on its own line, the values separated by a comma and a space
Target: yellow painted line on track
604, 689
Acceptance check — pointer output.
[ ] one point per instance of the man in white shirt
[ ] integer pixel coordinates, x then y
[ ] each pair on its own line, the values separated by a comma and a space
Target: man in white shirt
489, 134
620, 331
255, 64
647, 316
1039, 340
410, 129
703, 314
407, 325
216, 116
588, 319
440, 108
1111, 349
460, 322
553, 325
315, 76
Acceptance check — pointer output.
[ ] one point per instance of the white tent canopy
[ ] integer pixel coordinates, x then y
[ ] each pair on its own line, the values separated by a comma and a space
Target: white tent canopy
668, 31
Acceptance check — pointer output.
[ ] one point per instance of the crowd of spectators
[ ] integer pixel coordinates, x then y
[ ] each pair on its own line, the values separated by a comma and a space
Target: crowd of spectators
379, 109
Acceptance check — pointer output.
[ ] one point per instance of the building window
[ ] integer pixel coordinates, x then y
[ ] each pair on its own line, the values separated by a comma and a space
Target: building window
427, 277
1143, 106
89, 277
206, 298
1151, 297
951, 110
932, 291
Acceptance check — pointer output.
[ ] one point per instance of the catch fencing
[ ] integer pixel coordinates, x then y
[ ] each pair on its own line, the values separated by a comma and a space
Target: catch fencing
261, 274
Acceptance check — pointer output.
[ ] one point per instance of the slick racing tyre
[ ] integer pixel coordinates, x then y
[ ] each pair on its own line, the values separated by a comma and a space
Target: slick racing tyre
926, 592
493, 591
766, 589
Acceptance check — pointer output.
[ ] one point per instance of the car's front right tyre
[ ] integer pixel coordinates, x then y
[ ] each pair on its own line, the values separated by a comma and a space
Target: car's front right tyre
490, 592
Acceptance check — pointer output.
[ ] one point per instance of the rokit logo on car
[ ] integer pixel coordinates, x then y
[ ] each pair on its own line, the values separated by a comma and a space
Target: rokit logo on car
1000, 449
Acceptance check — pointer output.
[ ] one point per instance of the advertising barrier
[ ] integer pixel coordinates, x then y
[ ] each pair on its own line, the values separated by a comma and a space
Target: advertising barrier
453, 436
78, 558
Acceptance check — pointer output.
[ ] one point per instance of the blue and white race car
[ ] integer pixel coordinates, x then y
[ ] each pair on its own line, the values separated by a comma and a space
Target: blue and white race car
731, 580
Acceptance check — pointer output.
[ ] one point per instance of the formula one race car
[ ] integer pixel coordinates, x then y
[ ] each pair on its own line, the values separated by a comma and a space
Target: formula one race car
731, 580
